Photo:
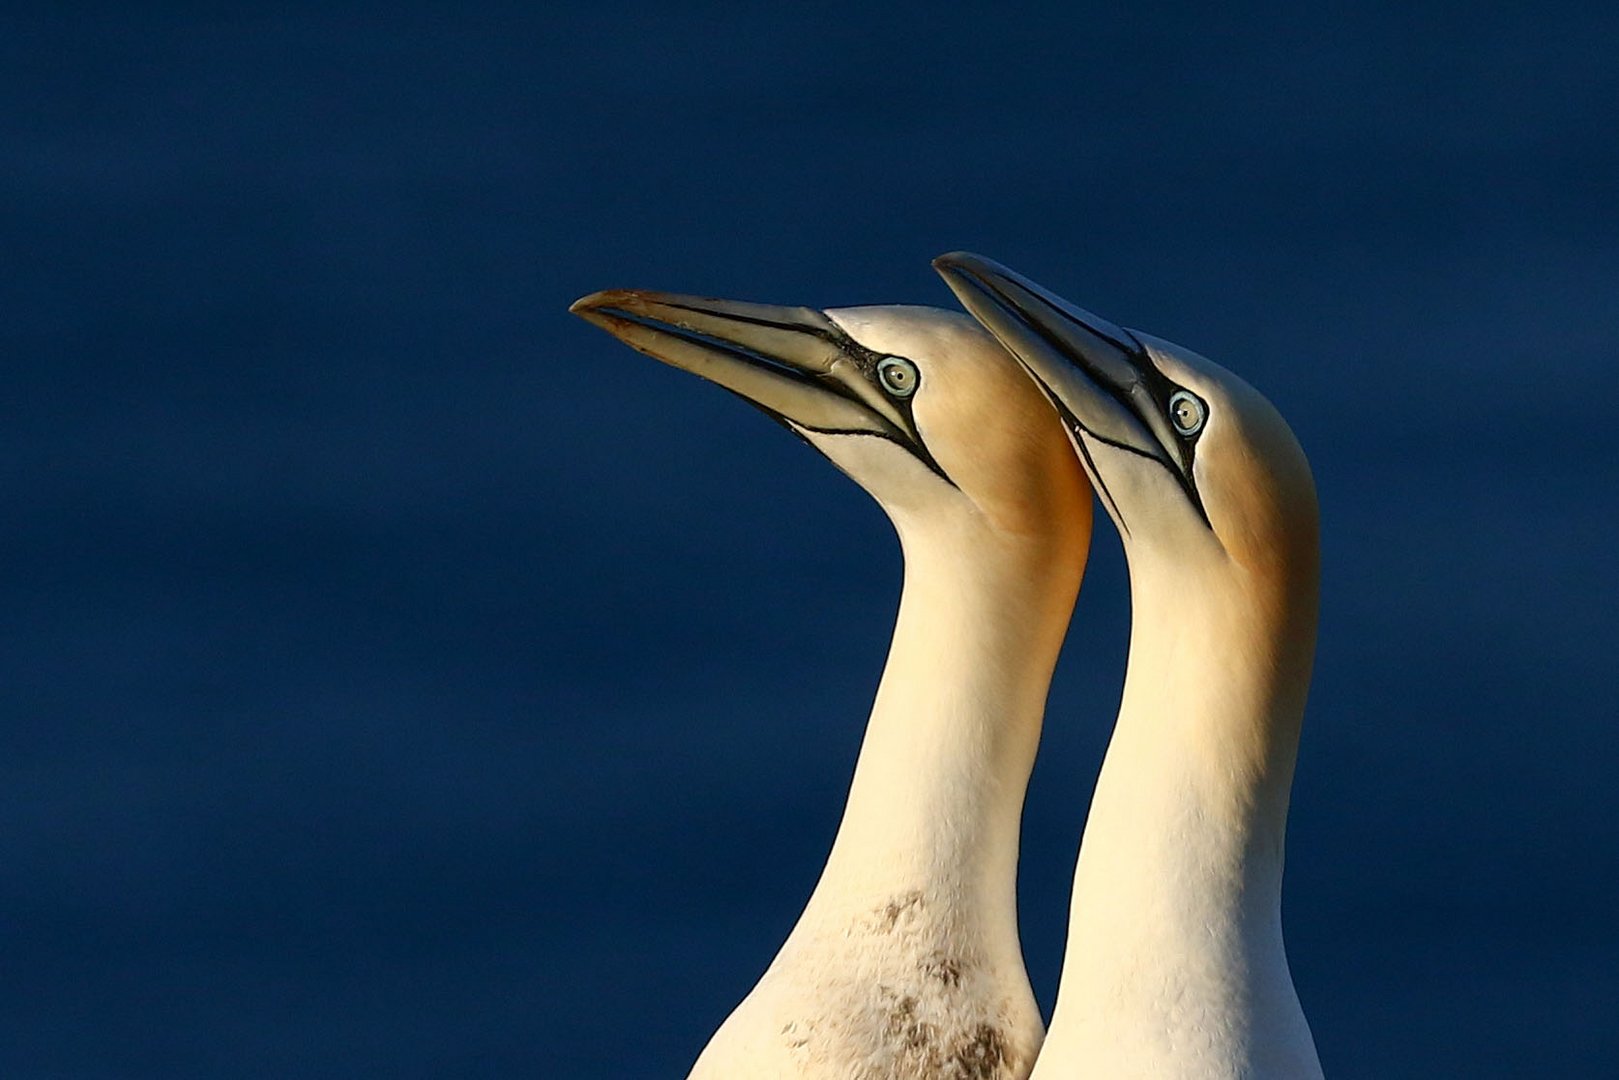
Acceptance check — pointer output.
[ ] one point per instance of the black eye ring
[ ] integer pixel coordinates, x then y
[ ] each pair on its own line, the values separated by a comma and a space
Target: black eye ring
898, 376
1187, 412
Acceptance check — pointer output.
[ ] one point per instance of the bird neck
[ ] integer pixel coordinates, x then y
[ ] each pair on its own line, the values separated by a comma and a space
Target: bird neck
1175, 963
937, 796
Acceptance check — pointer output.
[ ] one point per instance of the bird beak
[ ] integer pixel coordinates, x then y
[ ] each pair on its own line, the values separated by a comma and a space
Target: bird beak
792, 362
1098, 375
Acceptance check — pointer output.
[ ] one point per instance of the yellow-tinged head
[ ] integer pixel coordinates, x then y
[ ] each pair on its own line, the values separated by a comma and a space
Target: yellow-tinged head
1191, 462
920, 406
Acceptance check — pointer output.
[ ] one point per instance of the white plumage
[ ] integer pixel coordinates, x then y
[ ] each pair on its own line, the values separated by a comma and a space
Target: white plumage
906, 962
1175, 966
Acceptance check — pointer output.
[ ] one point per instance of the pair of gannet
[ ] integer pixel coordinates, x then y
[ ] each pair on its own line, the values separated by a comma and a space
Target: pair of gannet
906, 961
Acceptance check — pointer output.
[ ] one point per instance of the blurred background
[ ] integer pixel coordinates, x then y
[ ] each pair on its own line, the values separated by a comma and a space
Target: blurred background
401, 677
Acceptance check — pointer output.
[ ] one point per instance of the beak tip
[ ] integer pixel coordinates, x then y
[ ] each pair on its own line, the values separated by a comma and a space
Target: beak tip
585, 306
632, 300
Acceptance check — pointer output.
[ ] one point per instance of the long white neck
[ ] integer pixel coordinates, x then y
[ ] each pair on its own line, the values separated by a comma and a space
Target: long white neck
934, 808
1175, 965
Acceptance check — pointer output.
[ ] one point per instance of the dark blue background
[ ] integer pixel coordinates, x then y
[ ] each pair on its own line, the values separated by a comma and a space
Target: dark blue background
403, 678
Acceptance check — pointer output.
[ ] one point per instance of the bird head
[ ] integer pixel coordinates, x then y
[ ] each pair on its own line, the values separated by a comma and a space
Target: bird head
919, 406
1192, 463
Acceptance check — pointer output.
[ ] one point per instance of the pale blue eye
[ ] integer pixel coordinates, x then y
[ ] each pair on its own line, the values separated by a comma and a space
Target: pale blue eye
1187, 412
898, 376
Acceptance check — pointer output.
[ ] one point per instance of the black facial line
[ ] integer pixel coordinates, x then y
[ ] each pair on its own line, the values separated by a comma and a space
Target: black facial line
755, 320
1077, 428
787, 371
1090, 465
865, 359
916, 450
798, 427
1161, 388
732, 349
1158, 385
1133, 349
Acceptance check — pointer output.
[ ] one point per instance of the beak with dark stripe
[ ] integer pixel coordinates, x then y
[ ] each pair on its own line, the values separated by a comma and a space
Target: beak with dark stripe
794, 363
1099, 376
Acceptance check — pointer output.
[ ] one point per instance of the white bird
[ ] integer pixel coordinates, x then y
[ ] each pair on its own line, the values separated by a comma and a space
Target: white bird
1175, 966
905, 962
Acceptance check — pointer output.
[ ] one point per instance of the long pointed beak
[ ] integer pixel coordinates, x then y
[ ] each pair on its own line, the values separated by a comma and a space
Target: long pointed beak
1098, 375
1092, 369
792, 362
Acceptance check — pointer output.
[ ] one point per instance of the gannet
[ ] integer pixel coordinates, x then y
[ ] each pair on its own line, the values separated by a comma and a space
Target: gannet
905, 962
1175, 966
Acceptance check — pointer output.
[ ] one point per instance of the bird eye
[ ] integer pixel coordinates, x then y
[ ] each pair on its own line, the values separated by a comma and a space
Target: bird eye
898, 375
1187, 412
